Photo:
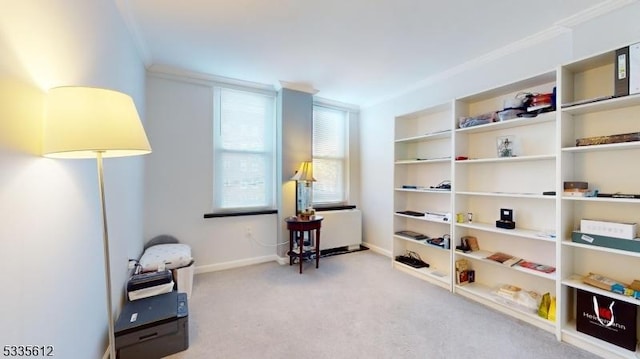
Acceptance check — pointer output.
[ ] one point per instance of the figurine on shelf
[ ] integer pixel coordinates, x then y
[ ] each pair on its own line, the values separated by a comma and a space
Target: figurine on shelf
505, 146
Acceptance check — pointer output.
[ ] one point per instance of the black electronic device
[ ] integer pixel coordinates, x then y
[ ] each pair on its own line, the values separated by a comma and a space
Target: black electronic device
148, 279
506, 219
575, 185
619, 195
412, 234
443, 186
411, 213
153, 327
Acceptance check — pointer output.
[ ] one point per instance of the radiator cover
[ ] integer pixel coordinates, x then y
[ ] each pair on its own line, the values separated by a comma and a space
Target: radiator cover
341, 228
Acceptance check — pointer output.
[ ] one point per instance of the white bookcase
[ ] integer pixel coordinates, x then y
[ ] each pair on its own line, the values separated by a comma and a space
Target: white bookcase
485, 183
608, 168
423, 160
430, 147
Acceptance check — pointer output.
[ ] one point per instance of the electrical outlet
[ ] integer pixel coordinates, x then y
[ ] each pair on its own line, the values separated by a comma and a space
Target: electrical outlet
248, 231
132, 263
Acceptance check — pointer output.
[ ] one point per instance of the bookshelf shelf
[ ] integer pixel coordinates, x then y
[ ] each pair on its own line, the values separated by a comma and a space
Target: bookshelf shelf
484, 294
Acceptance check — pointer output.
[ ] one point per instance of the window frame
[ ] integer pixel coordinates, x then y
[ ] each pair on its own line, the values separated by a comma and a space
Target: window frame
345, 159
219, 151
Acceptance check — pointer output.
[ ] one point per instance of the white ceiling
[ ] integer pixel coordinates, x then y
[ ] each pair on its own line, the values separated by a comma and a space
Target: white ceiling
352, 51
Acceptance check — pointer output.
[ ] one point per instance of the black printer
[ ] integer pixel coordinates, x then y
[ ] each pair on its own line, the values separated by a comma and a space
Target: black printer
153, 327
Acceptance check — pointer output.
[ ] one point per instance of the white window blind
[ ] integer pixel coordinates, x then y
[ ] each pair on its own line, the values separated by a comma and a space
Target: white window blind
244, 150
330, 154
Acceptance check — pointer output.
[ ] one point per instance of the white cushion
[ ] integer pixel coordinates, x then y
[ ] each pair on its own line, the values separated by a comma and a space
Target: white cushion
173, 256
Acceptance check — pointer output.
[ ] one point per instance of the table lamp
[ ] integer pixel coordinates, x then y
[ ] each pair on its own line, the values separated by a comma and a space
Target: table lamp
304, 179
86, 122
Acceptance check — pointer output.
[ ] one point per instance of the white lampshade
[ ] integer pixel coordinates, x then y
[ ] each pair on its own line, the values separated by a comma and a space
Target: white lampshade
79, 122
304, 173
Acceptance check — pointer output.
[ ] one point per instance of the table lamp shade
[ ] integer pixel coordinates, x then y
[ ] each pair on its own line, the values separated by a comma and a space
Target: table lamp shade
79, 122
304, 173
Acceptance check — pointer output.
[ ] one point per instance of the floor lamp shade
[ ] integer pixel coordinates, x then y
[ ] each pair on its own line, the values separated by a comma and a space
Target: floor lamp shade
82, 121
86, 122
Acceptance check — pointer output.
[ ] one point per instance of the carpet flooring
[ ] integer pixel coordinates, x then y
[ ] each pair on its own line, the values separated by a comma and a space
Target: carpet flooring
354, 306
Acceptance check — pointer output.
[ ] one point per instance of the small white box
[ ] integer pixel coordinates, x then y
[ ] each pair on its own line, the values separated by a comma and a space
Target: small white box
183, 277
608, 229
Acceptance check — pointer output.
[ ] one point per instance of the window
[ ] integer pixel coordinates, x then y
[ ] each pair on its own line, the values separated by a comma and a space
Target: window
244, 150
330, 154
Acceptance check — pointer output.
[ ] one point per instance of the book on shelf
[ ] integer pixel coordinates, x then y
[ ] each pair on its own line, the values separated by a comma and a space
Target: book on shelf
462, 272
508, 291
536, 266
462, 277
504, 258
600, 281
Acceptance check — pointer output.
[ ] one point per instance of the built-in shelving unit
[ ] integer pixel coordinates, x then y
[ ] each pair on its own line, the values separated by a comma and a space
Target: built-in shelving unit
487, 182
423, 160
431, 146
607, 168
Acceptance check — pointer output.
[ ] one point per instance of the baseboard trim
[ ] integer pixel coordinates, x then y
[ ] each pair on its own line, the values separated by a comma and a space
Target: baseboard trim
270, 258
235, 264
377, 249
282, 260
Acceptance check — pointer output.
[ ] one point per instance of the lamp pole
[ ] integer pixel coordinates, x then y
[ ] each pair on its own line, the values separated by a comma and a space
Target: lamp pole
107, 258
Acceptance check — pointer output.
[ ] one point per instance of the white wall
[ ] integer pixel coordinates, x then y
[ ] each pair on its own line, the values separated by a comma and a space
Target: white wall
50, 234
179, 177
607, 32
179, 173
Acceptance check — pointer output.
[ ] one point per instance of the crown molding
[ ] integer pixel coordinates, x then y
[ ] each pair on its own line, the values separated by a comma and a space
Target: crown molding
174, 73
335, 104
124, 7
593, 12
296, 86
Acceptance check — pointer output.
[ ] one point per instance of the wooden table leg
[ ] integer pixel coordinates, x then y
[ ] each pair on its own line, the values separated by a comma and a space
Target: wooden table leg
301, 249
317, 247
290, 254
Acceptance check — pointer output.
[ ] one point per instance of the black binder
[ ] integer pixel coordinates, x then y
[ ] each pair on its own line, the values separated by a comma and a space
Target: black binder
621, 77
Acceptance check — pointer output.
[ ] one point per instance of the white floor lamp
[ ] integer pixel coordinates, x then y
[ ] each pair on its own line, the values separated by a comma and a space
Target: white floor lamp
86, 122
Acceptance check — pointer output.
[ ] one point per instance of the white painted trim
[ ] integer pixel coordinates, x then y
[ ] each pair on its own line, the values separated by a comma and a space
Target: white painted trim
106, 354
235, 264
174, 73
377, 249
296, 86
337, 104
124, 7
593, 12
282, 260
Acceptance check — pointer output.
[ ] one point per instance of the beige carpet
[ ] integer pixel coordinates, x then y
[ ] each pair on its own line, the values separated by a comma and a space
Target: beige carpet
354, 306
